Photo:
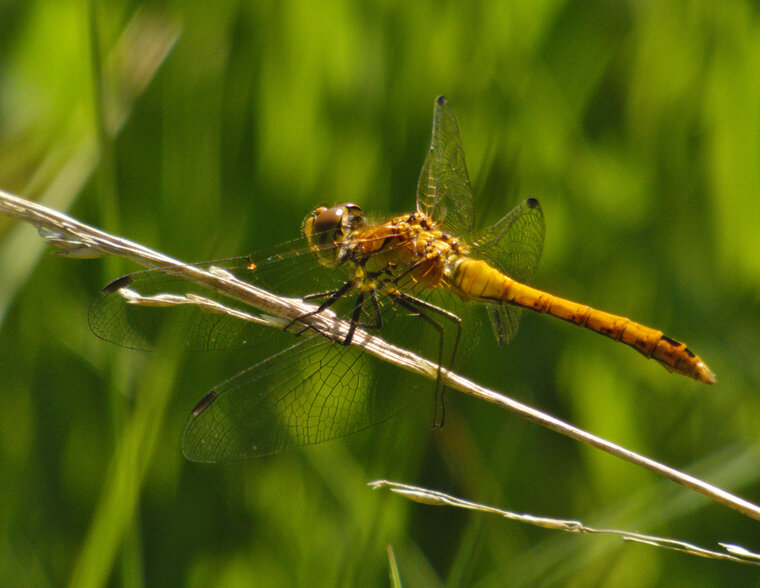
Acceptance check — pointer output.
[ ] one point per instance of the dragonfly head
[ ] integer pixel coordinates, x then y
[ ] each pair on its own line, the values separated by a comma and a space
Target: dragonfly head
325, 229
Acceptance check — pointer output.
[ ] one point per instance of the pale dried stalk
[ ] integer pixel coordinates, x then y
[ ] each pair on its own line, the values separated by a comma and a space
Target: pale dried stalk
731, 552
79, 240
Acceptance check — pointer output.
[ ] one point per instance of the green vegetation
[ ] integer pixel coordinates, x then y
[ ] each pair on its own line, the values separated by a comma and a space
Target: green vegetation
636, 125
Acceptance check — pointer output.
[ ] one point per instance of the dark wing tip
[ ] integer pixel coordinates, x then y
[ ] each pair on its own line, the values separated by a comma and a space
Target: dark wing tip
441, 100
204, 403
532, 203
117, 284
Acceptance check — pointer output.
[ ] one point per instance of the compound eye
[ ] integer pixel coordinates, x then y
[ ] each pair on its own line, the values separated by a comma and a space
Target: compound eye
326, 228
328, 221
323, 229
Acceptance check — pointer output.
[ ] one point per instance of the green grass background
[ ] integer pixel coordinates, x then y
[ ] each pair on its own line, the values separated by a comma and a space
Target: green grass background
637, 126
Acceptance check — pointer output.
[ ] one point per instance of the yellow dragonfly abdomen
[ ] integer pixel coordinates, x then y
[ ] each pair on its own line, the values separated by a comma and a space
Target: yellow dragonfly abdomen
474, 279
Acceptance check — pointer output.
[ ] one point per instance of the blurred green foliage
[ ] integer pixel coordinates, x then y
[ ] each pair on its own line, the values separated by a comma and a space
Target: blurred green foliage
637, 126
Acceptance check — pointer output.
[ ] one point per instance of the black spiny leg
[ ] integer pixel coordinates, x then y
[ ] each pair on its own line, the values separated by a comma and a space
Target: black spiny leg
355, 316
332, 297
417, 306
357, 312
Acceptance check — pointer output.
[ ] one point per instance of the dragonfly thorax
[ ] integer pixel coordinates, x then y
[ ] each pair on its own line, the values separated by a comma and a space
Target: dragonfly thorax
411, 251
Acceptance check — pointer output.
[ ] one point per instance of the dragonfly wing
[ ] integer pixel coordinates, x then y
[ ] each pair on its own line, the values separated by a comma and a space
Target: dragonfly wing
131, 310
313, 391
515, 243
514, 246
505, 320
443, 189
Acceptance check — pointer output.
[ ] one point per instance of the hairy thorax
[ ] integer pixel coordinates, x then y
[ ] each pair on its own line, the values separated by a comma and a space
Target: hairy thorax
410, 249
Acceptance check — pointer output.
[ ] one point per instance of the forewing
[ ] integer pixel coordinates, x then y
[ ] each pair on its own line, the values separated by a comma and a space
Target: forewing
289, 270
312, 392
443, 189
513, 246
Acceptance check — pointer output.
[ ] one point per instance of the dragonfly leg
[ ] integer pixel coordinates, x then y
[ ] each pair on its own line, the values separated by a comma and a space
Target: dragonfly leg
355, 316
418, 307
332, 297
328, 294
377, 324
409, 270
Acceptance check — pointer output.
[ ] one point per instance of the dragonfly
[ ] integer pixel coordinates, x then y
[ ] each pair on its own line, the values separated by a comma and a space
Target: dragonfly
415, 270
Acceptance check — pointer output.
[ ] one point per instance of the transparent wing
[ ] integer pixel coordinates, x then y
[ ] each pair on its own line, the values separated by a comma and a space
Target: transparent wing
312, 392
514, 246
443, 189
515, 243
289, 270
